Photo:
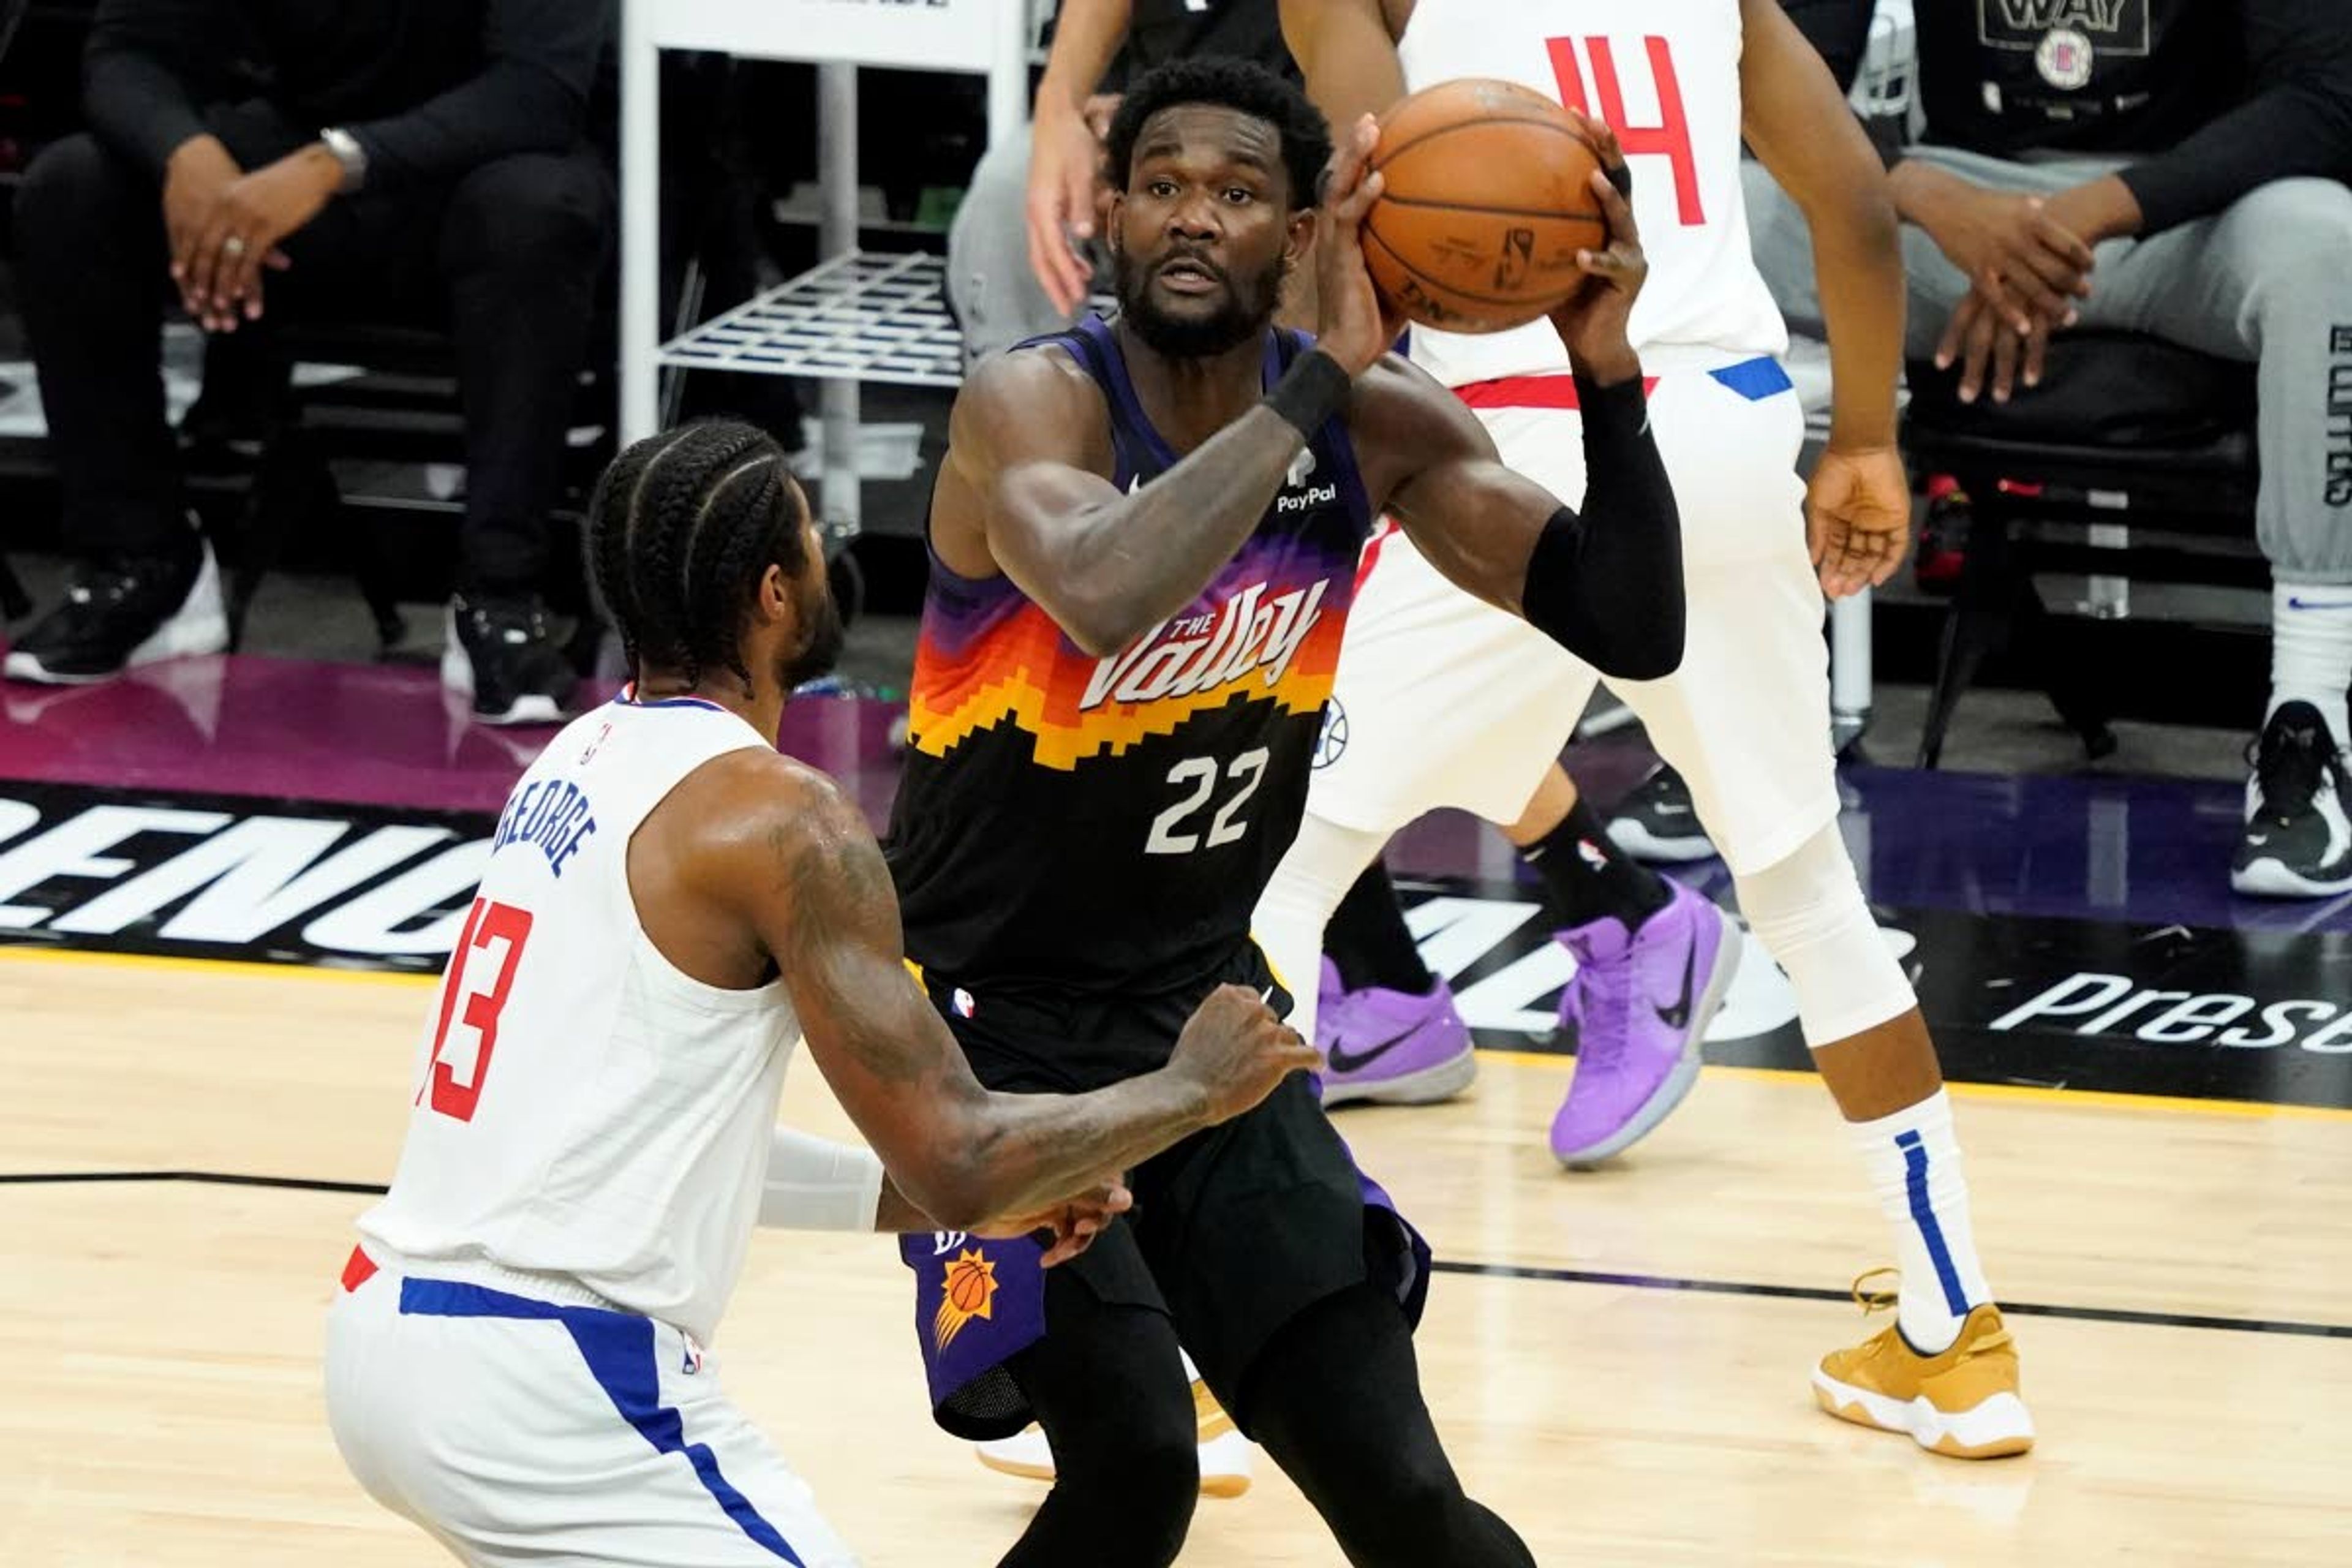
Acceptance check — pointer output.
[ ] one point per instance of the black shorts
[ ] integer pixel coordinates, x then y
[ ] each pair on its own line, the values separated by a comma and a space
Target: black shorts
1235, 1230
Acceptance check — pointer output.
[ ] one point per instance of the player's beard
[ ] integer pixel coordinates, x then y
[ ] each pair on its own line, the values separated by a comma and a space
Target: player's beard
1248, 304
821, 649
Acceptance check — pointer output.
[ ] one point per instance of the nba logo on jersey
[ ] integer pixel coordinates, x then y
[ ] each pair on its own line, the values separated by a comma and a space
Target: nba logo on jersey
961, 1000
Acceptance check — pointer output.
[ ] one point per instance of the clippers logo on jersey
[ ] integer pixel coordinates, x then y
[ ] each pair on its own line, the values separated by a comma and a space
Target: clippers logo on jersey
968, 1291
2064, 58
1269, 627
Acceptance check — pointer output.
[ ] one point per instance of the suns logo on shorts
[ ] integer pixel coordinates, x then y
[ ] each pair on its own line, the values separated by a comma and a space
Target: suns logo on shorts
968, 1291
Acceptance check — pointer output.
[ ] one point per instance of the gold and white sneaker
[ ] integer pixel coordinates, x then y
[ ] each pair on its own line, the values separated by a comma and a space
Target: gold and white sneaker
1225, 1469
1962, 1402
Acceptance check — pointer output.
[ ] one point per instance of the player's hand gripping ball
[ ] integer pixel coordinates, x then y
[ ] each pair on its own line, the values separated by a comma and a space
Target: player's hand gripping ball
1487, 200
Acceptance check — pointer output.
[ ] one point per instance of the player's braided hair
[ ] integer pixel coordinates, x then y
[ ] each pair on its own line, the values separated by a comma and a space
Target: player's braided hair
1233, 83
681, 526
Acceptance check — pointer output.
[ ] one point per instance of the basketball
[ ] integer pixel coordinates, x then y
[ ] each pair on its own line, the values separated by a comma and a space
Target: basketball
1486, 206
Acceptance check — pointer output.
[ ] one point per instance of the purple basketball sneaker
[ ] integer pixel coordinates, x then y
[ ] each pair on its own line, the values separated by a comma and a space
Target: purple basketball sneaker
1638, 1008
1390, 1047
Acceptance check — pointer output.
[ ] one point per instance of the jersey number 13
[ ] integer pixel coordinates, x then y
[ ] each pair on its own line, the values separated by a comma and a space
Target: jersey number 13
487, 924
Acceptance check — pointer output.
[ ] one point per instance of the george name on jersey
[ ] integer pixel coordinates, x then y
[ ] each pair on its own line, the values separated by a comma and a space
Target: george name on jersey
1252, 631
553, 814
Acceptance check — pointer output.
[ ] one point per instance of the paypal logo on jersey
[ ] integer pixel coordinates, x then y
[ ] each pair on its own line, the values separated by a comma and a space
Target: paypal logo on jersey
1293, 498
553, 814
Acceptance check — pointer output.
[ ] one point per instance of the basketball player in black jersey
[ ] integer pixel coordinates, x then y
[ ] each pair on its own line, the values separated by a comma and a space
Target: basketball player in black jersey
1145, 536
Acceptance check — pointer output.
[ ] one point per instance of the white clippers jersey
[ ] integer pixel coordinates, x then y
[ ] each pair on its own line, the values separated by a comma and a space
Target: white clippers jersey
1664, 74
583, 1110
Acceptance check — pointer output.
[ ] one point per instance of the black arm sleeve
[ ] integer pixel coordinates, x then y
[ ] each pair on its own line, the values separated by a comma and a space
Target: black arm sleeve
149, 68
2298, 119
532, 95
1608, 585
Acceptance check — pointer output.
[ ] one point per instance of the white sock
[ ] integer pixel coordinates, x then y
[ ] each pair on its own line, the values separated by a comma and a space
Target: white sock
2311, 651
1915, 1165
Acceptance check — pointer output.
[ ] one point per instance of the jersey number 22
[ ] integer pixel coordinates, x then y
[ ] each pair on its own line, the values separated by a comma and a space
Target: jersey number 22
1171, 834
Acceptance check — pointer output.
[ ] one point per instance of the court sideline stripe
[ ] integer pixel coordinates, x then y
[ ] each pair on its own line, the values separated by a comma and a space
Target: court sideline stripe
209, 1178
1816, 1293
1482, 1270
2032, 1094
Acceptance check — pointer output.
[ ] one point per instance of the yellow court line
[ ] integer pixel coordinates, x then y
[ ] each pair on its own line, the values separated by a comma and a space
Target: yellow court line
2103, 1098
2108, 1100
212, 965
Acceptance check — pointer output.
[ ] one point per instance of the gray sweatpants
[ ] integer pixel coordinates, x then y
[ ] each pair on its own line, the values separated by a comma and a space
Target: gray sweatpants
991, 286
2268, 280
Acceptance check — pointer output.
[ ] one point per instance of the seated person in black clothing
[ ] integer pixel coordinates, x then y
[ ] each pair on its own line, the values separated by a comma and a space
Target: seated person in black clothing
2174, 167
258, 158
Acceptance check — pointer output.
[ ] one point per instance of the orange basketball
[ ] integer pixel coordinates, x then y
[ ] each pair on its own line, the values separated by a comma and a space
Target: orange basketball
1486, 206
969, 1286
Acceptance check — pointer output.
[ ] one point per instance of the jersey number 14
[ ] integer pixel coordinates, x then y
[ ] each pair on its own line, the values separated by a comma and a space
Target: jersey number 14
1669, 139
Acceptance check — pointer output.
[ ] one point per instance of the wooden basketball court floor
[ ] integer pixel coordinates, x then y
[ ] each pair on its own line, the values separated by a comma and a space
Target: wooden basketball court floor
1619, 1363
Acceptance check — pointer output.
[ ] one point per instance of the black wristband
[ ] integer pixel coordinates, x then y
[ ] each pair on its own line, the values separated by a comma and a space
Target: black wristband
1312, 390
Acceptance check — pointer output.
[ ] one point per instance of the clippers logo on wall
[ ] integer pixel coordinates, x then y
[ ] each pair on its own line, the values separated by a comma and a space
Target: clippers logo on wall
2223, 1015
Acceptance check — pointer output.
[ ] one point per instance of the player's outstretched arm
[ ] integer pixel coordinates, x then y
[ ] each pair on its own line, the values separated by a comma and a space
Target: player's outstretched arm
1608, 585
816, 1183
1064, 151
1858, 507
1808, 139
1346, 50
1024, 491
804, 872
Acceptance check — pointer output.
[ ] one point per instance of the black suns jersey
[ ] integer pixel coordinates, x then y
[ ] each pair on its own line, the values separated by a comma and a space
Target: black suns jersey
1074, 824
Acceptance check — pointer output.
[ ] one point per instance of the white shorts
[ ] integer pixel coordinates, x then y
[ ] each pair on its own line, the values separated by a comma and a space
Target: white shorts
516, 1430
1443, 701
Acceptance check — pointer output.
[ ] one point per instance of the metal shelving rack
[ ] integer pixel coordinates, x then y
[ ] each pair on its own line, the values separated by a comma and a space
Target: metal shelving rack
861, 316
858, 316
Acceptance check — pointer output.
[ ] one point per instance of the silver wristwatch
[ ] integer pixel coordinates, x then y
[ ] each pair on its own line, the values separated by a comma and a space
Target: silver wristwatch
350, 155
